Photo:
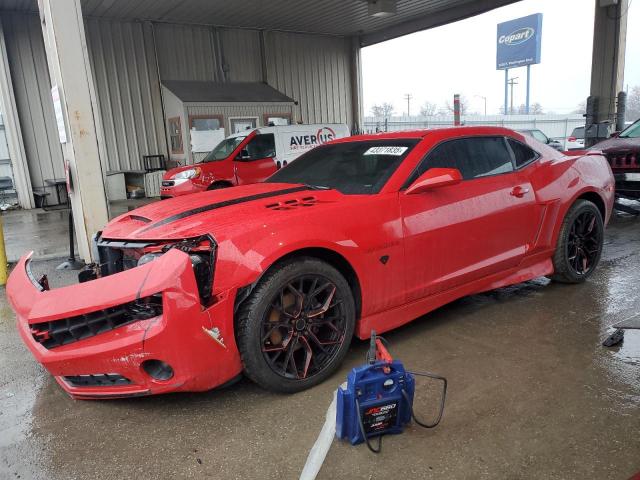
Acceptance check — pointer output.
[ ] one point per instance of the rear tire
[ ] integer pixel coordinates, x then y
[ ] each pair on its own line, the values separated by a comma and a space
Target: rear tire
295, 328
580, 243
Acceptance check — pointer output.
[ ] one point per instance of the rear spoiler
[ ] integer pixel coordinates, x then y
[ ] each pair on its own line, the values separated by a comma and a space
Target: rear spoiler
582, 153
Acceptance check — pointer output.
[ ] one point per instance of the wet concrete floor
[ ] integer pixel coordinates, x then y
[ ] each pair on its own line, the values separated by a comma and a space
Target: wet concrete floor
532, 394
46, 232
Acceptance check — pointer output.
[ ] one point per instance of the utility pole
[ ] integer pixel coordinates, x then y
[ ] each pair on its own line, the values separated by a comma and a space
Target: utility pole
408, 98
512, 82
485, 103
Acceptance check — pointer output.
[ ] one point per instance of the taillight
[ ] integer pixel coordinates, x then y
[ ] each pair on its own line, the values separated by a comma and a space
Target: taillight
572, 139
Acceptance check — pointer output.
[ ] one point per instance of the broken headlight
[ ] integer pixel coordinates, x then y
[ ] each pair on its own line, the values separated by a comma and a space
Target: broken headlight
117, 256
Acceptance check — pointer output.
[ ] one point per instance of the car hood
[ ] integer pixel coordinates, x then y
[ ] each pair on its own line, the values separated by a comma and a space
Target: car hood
219, 212
617, 144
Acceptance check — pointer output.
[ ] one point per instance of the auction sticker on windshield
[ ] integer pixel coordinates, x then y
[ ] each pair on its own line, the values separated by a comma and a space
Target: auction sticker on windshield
397, 151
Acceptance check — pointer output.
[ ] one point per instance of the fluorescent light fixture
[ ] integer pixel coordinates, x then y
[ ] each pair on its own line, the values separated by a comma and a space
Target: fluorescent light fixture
382, 8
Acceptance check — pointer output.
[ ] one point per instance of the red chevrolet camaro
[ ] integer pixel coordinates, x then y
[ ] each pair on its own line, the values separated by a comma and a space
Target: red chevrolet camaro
274, 279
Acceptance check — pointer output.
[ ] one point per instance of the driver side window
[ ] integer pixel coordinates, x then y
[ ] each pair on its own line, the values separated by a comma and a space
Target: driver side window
474, 157
261, 146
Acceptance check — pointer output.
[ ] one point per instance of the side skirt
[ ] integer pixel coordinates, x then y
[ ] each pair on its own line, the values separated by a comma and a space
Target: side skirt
537, 266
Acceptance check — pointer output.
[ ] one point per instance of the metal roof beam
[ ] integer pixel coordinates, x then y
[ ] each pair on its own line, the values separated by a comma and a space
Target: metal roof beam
425, 22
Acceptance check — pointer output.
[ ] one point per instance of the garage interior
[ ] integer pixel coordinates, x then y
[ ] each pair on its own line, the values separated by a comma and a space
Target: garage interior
533, 393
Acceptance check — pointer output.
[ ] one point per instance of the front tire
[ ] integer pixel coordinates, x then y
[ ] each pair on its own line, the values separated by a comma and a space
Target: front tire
580, 243
295, 328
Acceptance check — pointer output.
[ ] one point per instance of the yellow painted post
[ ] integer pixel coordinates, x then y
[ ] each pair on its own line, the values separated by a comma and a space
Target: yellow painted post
3, 256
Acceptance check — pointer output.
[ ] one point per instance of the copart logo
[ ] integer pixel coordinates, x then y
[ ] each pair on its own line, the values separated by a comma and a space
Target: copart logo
517, 37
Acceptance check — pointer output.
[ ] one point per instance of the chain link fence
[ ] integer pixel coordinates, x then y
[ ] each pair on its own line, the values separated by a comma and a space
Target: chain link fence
557, 127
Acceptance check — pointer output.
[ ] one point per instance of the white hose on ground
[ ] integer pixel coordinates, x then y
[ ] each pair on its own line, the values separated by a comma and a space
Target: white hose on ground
323, 443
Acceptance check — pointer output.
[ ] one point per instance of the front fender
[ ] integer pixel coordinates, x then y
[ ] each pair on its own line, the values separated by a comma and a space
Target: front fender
243, 269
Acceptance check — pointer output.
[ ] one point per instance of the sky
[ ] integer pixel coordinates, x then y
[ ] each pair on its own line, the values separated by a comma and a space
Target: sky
461, 58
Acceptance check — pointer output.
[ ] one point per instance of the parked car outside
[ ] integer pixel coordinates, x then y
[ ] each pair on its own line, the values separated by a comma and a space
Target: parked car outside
274, 279
622, 151
575, 141
541, 137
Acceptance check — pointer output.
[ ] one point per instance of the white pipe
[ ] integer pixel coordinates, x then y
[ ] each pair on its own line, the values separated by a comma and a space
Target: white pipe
320, 449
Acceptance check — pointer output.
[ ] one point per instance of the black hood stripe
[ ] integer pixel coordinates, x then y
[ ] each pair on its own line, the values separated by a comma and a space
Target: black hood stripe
226, 203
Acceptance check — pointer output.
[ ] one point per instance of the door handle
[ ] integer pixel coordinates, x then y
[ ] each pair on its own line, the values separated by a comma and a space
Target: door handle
519, 191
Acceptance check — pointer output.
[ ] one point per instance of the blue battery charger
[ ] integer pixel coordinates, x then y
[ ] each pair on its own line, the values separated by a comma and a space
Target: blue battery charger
373, 402
378, 398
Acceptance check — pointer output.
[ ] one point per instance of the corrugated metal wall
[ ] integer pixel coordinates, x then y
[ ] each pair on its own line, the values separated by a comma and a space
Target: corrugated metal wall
186, 52
314, 70
5, 163
127, 86
242, 59
32, 89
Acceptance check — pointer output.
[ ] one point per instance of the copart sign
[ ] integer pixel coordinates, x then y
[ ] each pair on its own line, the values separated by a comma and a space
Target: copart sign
519, 42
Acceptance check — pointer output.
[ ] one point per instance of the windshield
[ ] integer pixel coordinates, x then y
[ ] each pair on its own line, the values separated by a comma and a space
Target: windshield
632, 131
578, 132
223, 150
351, 168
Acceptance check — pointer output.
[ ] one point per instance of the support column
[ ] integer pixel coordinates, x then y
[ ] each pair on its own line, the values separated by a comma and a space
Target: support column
356, 85
13, 130
528, 88
506, 91
607, 70
70, 72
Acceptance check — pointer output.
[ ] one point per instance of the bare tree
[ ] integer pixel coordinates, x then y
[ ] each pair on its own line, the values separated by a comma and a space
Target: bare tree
633, 104
387, 109
581, 107
376, 110
383, 111
428, 109
536, 109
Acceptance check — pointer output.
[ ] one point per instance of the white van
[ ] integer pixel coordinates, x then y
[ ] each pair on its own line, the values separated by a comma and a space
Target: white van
249, 157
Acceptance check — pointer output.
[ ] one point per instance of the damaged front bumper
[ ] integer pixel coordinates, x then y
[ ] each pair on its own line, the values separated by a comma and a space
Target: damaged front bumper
139, 332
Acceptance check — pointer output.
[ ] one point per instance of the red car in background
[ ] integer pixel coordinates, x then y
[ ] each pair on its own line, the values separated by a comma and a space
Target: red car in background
274, 279
622, 151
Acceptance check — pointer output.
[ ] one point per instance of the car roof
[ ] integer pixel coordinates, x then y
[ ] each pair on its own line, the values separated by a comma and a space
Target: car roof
419, 134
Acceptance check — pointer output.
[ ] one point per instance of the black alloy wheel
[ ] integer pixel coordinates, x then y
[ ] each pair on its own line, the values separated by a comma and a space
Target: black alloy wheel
304, 328
583, 245
580, 243
296, 326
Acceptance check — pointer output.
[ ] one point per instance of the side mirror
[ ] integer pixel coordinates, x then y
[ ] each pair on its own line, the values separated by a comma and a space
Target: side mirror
243, 155
614, 135
435, 178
